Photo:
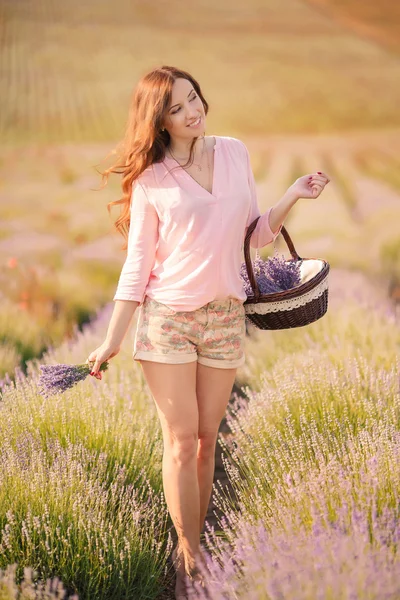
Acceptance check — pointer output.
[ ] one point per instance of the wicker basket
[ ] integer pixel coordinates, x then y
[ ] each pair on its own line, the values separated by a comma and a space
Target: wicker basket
296, 307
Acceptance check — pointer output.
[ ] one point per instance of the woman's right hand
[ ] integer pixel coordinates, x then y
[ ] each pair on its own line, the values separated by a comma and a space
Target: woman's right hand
102, 354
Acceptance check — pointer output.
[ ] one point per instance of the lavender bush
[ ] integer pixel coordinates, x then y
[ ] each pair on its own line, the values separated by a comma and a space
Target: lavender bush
326, 560
274, 275
30, 588
313, 459
341, 335
312, 455
58, 378
77, 515
81, 489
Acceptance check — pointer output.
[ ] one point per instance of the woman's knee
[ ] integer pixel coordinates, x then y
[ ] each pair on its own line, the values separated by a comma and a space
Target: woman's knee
181, 446
206, 445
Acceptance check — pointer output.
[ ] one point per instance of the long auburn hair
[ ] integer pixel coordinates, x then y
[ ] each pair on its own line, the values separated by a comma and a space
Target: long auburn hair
144, 143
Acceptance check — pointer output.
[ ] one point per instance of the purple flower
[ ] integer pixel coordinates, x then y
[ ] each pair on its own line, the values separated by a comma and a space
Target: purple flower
58, 378
284, 273
274, 275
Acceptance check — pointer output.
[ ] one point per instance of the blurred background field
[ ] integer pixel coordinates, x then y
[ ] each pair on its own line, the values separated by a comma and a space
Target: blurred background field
265, 66
308, 86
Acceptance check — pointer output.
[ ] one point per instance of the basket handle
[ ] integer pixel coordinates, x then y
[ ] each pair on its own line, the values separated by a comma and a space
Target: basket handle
247, 257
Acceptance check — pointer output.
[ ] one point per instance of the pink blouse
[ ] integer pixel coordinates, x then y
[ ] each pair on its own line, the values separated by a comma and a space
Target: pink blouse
185, 245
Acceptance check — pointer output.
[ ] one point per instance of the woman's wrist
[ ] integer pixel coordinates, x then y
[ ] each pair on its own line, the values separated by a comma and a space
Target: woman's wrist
281, 209
291, 195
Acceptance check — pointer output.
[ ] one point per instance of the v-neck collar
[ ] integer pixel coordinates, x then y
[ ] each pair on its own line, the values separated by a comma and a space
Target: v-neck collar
213, 186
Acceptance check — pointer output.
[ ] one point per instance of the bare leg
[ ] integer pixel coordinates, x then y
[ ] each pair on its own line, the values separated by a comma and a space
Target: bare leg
181, 490
174, 390
205, 473
213, 390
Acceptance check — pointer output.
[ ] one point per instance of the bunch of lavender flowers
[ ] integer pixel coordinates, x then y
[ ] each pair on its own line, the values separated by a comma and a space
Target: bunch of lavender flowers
265, 284
286, 274
58, 378
273, 275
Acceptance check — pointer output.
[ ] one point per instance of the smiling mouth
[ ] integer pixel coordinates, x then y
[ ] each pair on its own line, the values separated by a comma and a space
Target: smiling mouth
196, 122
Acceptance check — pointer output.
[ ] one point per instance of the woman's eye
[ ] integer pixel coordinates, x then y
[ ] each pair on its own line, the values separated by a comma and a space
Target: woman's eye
178, 109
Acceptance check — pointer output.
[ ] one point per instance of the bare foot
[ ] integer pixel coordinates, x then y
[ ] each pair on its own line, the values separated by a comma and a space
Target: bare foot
184, 580
181, 591
179, 566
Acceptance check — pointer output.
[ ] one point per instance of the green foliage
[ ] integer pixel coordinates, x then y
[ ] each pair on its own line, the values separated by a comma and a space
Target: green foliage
390, 258
320, 422
83, 470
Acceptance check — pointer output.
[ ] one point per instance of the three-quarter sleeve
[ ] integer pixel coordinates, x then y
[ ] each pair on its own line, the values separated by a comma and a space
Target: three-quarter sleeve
262, 234
141, 251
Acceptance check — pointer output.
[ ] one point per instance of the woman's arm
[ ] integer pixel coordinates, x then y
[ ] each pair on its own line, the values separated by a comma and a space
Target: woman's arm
120, 321
270, 223
142, 242
119, 325
280, 210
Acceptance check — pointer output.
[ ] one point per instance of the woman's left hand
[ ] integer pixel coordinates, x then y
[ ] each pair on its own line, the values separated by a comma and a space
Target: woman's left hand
309, 186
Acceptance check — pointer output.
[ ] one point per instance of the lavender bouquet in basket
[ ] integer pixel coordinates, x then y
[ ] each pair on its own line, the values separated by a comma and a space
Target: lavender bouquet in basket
273, 275
58, 378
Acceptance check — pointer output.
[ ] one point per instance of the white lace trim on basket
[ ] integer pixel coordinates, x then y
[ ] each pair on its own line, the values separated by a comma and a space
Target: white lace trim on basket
263, 308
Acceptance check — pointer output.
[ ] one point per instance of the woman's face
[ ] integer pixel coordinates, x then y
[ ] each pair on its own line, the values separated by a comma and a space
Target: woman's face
185, 108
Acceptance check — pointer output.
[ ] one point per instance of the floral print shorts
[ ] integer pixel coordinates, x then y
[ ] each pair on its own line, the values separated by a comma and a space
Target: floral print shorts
213, 335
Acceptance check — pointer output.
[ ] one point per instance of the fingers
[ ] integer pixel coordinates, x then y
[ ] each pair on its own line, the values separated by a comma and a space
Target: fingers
96, 369
95, 372
317, 182
317, 189
319, 177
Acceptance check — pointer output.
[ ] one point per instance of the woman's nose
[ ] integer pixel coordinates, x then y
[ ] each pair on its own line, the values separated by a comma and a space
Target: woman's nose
191, 113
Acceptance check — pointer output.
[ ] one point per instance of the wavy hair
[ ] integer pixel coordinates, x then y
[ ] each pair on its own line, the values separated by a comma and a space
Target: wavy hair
144, 143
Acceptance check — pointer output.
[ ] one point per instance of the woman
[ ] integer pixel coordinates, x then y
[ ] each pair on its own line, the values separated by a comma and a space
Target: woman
188, 200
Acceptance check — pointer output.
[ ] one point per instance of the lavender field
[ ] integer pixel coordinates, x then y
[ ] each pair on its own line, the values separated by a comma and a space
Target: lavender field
308, 504
312, 456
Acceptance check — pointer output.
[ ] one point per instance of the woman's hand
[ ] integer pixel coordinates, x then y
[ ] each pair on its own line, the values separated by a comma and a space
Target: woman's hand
309, 186
101, 355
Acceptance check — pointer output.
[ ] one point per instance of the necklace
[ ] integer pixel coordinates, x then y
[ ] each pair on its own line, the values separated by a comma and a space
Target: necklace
209, 170
198, 165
